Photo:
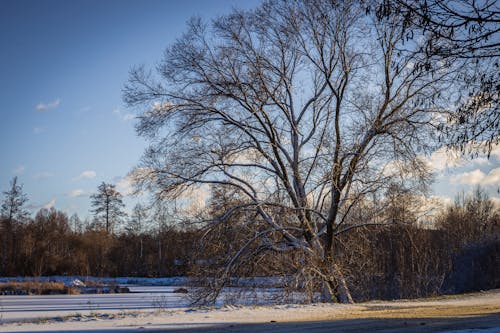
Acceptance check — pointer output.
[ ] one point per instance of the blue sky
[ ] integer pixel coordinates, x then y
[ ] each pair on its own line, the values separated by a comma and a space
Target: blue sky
64, 128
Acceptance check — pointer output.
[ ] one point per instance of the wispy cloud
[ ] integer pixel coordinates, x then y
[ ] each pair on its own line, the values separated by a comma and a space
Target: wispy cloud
443, 159
125, 185
123, 115
473, 177
77, 193
478, 177
43, 107
87, 174
19, 170
49, 204
43, 175
492, 178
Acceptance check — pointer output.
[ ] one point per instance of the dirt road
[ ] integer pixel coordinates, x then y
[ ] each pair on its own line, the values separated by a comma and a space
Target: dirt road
380, 319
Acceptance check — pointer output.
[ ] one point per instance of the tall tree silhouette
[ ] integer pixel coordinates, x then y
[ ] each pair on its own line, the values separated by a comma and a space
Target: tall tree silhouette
108, 205
12, 212
14, 203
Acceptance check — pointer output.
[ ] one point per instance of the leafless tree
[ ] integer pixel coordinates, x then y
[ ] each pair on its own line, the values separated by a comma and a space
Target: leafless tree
304, 110
467, 33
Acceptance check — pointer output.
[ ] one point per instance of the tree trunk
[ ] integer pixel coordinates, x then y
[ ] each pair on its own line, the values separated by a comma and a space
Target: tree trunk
335, 289
159, 256
343, 289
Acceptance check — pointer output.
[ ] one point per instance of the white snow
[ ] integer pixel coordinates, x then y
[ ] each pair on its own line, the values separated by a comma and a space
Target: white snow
139, 313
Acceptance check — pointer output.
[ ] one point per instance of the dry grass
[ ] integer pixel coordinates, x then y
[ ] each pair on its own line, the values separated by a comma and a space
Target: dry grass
36, 288
92, 283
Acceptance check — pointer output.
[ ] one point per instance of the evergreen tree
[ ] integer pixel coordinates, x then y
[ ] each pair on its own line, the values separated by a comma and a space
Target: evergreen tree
12, 212
14, 203
108, 205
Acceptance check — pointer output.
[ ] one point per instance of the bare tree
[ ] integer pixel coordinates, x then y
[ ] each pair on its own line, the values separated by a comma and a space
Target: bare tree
468, 34
107, 205
138, 220
301, 109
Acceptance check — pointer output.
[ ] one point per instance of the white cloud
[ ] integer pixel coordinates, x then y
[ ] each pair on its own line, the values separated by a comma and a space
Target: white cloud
49, 204
88, 174
19, 170
442, 200
495, 152
43, 175
474, 177
493, 178
194, 200
125, 185
42, 107
442, 159
477, 177
77, 193
480, 161
123, 116
432, 204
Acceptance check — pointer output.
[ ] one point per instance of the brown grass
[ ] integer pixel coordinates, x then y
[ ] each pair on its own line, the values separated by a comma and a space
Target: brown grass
36, 288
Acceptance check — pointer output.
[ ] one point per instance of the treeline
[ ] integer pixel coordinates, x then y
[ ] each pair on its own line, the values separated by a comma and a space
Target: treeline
460, 253
111, 244
48, 245
457, 252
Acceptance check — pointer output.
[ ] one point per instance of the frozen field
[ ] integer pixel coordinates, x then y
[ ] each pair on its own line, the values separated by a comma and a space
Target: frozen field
13, 308
159, 298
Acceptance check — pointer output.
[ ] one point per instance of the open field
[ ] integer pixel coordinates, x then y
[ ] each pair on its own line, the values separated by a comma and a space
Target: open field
465, 313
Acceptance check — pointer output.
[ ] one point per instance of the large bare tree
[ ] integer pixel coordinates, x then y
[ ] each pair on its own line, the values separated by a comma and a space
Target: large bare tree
304, 110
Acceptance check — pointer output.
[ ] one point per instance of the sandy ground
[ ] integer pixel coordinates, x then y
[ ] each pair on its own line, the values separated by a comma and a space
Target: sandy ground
466, 313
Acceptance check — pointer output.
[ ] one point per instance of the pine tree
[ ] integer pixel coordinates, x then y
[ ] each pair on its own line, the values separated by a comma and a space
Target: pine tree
14, 203
108, 205
12, 212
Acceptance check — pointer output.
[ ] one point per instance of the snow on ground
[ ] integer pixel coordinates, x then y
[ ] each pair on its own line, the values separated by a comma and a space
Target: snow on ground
477, 330
458, 314
16, 308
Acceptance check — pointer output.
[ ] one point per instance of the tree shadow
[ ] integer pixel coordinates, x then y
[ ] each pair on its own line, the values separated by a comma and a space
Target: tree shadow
483, 324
